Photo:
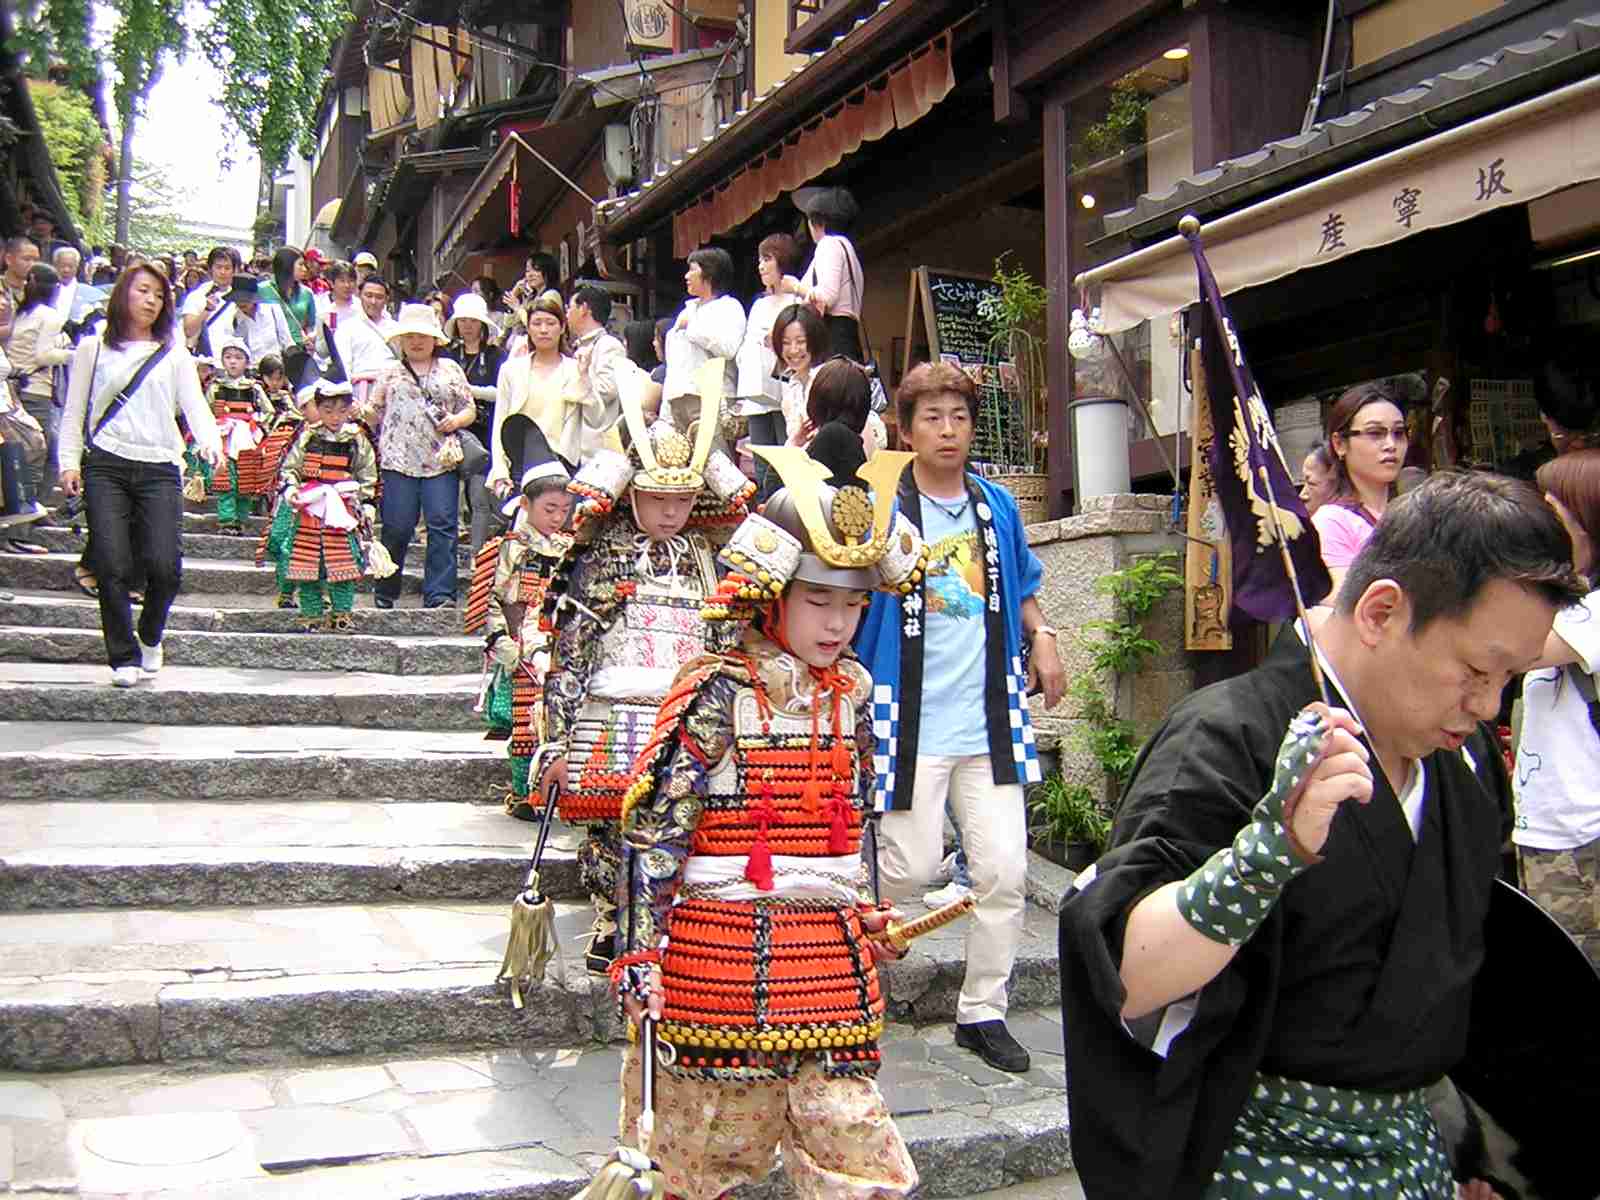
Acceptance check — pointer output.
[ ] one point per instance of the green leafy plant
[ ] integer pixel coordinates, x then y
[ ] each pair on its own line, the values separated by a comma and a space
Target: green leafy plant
1018, 305
1066, 813
1121, 127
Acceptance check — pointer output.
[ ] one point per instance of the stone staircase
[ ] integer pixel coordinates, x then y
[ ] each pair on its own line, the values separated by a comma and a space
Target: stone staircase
251, 913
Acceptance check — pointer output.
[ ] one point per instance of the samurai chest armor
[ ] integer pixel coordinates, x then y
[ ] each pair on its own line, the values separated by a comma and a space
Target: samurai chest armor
655, 632
327, 461
755, 986
236, 402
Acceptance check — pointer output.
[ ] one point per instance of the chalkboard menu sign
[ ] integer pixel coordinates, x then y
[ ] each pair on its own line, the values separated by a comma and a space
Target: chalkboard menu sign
942, 317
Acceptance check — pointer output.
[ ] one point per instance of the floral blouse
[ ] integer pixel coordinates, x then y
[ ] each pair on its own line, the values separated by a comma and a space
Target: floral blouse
407, 440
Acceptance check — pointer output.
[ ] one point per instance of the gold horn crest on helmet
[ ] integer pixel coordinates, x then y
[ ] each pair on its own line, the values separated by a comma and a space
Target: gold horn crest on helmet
843, 537
668, 460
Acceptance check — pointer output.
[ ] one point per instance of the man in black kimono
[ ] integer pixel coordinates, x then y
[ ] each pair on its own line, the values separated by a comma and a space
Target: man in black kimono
1259, 978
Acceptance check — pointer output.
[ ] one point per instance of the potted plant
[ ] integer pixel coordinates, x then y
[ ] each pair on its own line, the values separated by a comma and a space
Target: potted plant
1066, 824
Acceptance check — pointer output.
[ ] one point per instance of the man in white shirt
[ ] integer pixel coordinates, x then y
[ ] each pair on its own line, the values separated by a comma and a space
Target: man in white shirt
261, 327
599, 355
206, 301
363, 339
66, 260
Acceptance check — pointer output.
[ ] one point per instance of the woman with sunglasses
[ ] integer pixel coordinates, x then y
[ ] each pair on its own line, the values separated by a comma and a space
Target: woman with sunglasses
1367, 431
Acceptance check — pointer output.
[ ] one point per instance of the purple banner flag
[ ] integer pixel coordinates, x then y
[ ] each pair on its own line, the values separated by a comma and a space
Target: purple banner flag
1245, 446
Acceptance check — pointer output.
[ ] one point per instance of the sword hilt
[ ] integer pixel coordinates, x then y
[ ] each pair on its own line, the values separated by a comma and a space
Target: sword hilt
901, 934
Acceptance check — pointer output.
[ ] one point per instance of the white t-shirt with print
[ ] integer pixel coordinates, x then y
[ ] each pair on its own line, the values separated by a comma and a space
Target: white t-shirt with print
1558, 755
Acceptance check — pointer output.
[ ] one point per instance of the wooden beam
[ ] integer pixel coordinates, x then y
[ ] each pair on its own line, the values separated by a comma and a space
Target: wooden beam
814, 33
1058, 310
1076, 29
1010, 106
993, 187
1111, 63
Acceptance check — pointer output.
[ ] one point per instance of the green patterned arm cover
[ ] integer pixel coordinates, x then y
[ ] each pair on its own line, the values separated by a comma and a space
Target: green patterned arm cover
1229, 896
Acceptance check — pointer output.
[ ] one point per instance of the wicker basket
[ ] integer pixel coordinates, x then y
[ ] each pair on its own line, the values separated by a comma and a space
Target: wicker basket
1031, 493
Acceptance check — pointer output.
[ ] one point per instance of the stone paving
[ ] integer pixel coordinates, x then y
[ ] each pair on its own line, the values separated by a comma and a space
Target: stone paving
132, 1130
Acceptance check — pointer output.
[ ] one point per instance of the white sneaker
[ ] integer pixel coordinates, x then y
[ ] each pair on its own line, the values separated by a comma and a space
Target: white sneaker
948, 894
124, 677
150, 657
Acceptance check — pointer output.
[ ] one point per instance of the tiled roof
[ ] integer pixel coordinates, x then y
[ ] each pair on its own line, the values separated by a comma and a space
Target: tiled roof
1513, 73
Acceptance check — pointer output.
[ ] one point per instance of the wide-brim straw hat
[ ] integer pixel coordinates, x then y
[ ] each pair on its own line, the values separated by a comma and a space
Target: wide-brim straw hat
471, 306
418, 318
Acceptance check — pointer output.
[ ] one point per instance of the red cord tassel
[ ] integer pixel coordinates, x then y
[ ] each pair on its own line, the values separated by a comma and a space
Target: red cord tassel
838, 823
758, 869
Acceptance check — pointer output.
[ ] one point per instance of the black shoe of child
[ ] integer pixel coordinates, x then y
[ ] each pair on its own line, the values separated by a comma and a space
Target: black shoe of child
382, 602
287, 600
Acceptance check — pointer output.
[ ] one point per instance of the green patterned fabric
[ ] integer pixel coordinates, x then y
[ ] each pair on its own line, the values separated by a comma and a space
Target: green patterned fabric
519, 774
1233, 891
229, 508
497, 713
342, 596
1304, 1140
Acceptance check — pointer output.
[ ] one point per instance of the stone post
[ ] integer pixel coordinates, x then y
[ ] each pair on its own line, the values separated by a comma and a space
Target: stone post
1111, 532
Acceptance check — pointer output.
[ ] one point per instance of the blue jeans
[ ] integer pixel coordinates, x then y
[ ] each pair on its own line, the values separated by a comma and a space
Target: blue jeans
437, 499
13, 479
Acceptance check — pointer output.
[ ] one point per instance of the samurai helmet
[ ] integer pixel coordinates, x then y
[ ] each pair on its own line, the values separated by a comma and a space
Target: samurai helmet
664, 459
847, 537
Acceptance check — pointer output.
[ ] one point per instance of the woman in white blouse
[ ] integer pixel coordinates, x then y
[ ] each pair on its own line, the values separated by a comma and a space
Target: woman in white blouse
711, 325
834, 283
37, 346
760, 388
122, 448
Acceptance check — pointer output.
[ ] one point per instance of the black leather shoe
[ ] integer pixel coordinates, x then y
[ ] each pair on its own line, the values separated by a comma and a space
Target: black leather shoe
382, 602
993, 1043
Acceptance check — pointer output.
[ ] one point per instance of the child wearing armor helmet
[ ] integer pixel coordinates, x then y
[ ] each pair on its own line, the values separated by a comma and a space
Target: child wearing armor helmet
629, 619
750, 934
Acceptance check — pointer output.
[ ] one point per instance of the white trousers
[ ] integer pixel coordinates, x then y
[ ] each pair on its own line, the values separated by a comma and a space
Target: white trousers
994, 831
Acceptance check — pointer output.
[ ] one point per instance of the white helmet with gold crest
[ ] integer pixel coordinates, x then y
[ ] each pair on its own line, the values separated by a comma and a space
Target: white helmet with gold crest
817, 532
663, 459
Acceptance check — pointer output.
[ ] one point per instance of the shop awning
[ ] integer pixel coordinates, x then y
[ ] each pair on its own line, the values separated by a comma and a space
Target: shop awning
518, 183
799, 104
1509, 157
897, 98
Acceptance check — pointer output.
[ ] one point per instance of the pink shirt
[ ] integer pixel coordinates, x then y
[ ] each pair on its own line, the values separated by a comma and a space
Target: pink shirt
1343, 533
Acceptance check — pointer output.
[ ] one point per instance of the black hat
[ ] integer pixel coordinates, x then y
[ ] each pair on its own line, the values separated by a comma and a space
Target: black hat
832, 204
246, 288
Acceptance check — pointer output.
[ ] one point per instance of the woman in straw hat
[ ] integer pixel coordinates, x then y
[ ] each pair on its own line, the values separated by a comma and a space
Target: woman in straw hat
473, 336
417, 407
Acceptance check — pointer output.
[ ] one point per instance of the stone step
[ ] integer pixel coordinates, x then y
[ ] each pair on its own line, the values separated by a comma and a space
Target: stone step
123, 986
213, 696
319, 651
196, 545
119, 855
53, 572
254, 613
512, 1124
168, 764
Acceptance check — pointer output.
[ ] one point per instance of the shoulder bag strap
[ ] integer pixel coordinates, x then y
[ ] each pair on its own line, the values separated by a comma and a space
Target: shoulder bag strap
127, 391
1584, 682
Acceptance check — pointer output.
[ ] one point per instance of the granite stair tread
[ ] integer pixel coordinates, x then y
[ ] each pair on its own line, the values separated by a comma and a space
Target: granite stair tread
116, 854
525, 1122
169, 764
216, 695
223, 613
198, 543
319, 651
55, 571
119, 986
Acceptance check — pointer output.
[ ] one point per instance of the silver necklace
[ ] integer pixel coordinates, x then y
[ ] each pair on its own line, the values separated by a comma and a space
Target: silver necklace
954, 514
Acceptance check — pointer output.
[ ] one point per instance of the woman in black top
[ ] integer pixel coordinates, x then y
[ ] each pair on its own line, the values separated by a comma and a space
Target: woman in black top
474, 343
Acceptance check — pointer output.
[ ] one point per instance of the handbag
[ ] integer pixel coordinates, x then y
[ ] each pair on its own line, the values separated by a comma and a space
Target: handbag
18, 428
879, 398
450, 453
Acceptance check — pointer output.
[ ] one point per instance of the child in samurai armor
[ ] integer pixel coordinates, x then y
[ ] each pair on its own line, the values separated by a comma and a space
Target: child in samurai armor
518, 633
243, 412
328, 480
629, 620
747, 914
286, 427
